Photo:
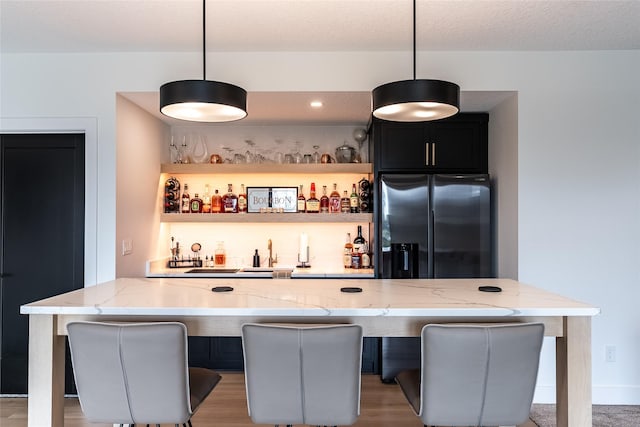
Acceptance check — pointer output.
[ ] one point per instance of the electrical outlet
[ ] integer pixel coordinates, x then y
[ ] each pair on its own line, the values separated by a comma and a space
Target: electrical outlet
127, 246
610, 353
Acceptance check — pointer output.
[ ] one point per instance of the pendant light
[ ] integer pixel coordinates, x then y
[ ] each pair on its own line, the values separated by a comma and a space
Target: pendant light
203, 100
416, 100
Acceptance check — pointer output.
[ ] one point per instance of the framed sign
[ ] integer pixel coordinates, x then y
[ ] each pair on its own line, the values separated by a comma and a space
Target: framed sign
272, 199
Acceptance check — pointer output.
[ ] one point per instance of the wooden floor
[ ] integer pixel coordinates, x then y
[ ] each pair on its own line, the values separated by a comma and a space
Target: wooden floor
381, 405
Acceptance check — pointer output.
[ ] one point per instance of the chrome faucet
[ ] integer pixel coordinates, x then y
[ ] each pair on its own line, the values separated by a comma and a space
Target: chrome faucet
271, 260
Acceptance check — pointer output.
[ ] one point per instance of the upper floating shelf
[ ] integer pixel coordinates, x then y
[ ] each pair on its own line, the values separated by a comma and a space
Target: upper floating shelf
313, 168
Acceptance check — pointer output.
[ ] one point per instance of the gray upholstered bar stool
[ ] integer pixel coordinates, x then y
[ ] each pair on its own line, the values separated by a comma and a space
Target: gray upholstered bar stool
475, 375
302, 374
136, 373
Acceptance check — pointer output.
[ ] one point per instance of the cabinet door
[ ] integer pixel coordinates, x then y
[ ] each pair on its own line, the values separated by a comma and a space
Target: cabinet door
458, 147
401, 146
454, 145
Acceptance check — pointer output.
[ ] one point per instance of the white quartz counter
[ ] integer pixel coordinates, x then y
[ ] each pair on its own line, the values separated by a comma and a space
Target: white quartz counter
310, 298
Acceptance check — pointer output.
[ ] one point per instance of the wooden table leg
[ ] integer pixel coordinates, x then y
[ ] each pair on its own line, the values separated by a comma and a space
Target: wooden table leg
573, 373
46, 372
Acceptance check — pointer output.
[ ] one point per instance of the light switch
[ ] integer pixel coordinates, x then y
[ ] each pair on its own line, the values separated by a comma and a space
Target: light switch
127, 246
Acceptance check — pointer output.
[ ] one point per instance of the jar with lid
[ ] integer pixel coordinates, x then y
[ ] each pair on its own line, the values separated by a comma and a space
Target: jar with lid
220, 258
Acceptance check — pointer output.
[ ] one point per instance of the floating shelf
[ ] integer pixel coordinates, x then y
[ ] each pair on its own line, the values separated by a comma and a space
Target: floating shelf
267, 217
314, 168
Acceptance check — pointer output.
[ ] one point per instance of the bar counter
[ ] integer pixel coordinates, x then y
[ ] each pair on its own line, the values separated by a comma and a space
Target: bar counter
385, 307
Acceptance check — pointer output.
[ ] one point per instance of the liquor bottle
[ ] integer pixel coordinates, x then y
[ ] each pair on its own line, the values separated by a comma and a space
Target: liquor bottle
313, 204
302, 201
186, 200
366, 260
242, 200
354, 201
206, 200
220, 257
196, 204
348, 249
230, 201
334, 200
324, 200
216, 202
359, 243
345, 203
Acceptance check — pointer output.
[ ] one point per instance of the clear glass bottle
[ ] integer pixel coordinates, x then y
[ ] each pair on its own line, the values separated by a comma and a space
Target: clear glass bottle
242, 200
313, 204
216, 202
230, 201
324, 200
302, 201
185, 205
206, 200
220, 256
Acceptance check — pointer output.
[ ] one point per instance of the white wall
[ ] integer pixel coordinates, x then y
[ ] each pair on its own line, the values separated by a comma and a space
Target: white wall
578, 159
503, 169
141, 148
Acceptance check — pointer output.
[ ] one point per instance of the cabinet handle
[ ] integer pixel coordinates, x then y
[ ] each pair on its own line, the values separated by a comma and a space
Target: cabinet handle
426, 152
433, 154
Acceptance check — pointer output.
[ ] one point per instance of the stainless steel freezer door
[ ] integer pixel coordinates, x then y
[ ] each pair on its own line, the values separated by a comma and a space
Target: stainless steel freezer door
404, 217
461, 207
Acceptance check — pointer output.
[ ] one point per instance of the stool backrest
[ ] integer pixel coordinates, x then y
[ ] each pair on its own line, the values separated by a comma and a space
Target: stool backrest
131, 373
303, 374
479, 375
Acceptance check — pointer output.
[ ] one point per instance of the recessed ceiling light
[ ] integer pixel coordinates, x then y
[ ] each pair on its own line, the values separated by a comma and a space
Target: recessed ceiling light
316, 104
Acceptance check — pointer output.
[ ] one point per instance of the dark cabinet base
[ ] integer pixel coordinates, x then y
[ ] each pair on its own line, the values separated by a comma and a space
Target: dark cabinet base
225, 353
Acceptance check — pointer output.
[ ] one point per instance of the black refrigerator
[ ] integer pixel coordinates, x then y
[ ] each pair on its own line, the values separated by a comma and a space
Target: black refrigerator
430, 226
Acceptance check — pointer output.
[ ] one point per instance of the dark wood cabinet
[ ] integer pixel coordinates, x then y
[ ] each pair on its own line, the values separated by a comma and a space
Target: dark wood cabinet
225, 353
458, 144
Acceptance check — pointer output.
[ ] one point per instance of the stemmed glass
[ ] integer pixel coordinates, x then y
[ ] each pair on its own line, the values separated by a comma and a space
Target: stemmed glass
183, 151
173, 151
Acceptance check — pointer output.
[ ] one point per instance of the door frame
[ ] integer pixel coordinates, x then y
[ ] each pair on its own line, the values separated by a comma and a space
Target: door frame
88, 126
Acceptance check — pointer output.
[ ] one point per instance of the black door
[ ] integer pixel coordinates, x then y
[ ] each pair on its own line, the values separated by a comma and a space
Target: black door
41, 236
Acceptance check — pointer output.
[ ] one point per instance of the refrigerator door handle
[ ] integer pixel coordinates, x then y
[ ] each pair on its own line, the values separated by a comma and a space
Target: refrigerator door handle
426, 152
405, 260
433, 154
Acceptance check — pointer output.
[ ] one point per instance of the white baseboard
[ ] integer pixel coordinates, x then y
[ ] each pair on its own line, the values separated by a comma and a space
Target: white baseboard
601, 395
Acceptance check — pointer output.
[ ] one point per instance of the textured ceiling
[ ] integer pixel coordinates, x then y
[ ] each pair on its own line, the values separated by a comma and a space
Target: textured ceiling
317, 25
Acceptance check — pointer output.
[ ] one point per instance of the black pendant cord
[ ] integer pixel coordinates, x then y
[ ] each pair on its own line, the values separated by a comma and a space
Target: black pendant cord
414, 39
204, 40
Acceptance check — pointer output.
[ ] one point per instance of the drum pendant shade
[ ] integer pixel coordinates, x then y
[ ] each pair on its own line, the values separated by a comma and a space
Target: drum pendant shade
415, 100
203, 100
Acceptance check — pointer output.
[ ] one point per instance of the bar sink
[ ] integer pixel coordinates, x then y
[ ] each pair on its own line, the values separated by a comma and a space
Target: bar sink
213, 270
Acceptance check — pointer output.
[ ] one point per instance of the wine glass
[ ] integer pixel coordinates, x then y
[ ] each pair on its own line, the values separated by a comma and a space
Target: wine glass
173, 150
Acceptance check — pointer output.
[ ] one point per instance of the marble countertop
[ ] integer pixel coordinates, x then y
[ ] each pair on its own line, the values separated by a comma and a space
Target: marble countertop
310, 297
